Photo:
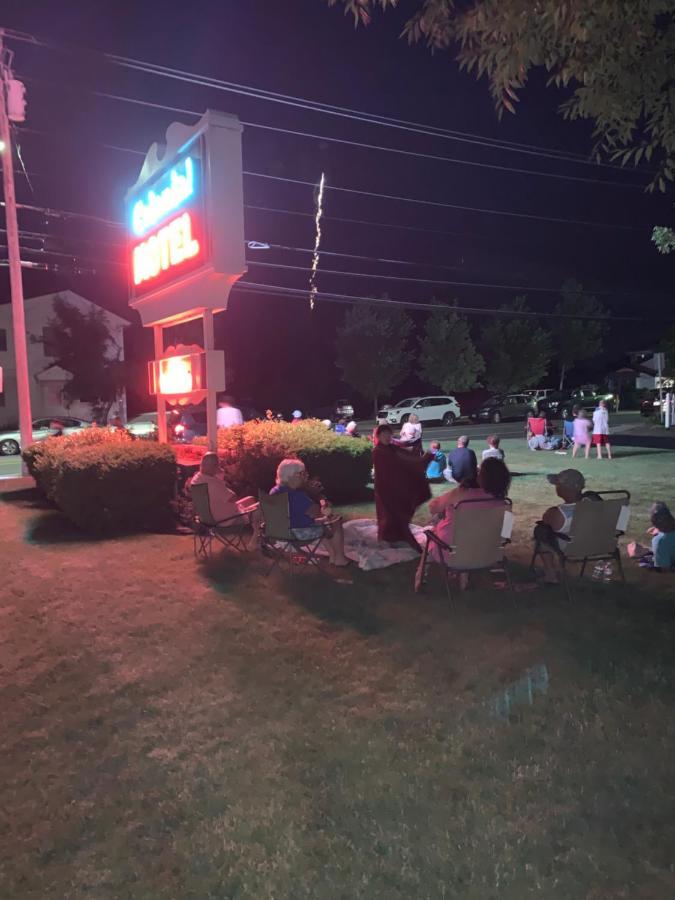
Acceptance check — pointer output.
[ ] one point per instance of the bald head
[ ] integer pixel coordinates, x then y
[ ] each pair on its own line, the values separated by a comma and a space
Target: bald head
463, 441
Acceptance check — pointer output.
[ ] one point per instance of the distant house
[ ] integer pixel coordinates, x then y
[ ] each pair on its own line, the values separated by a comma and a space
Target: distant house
47, 380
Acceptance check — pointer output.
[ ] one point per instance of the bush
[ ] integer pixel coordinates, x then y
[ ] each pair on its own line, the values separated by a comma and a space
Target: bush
105, 482
252, 452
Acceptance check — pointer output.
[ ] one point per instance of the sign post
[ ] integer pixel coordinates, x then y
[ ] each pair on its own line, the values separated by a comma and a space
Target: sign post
185, 220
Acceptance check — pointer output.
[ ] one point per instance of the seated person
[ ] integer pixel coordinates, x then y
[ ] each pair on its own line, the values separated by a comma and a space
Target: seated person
352, 429
536, 426
493, 449
306, 514
557, 520
438, 462
541, 442
222, 499
340, 426
463, 462
662, 531
492, 483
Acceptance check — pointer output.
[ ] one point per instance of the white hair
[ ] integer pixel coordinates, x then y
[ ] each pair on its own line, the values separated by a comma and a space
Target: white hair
351, 426
414, 418
288, 468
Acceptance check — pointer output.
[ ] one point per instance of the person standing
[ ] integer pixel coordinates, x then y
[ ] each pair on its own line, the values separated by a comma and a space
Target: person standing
601, 430
400, 487
581, 432
228, 414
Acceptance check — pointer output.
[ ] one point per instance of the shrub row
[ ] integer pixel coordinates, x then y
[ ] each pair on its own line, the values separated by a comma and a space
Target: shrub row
105, 482
252, 452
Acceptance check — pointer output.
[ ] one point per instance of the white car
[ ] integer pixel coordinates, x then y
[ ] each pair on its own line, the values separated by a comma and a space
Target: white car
441, 409
144, 425
10, 441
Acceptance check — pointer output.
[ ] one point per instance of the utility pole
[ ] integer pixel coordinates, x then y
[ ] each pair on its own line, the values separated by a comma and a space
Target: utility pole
14, 256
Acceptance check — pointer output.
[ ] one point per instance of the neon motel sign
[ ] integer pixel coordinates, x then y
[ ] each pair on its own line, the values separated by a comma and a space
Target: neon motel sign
166, 229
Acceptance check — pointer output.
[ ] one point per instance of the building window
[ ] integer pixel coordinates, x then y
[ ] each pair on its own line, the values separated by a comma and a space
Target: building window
3, 340
49, 338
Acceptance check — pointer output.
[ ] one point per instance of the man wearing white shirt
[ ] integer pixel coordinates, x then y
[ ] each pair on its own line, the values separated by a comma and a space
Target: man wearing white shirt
600, 436
228, 415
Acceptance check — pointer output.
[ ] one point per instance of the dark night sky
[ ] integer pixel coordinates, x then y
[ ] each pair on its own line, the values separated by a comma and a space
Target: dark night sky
280, 352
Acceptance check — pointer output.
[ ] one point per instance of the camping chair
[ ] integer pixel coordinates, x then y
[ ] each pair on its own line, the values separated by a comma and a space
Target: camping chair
230, 532
276, 538
594, 534
536, 426
478, 543
568, 434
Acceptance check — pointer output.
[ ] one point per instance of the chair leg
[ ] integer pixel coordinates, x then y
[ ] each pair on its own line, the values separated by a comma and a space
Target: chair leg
421, 572
620, 565
509, 580
446, 575
565, 581
583, 567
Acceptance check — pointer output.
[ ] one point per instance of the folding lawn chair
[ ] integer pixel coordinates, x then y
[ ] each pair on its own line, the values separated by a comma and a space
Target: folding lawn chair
568, 434
230, 532
478, 543
594, 534
276, 538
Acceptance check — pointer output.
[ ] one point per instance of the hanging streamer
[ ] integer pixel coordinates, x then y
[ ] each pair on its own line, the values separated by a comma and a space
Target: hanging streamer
318, 204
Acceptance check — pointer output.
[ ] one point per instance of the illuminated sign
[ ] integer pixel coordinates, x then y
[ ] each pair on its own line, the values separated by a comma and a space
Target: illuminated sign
175, 375
187, 371
171, 246
167, 238
170, 192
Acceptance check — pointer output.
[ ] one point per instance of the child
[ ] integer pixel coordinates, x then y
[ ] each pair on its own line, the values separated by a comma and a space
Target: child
438, 463
493, 449
662, 532
601, 430
581, 432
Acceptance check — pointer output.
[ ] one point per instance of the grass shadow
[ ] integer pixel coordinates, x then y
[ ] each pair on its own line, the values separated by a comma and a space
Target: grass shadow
31, 498
54, 528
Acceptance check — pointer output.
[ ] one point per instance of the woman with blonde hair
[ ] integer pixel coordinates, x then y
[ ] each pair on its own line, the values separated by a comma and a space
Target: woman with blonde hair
309, 520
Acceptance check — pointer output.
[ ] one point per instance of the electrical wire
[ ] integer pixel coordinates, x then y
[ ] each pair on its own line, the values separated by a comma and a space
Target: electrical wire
398, 198
409, 279
378, 147
421, 305
330, 109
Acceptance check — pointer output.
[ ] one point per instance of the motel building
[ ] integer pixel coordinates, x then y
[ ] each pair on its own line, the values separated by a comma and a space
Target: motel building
47, 380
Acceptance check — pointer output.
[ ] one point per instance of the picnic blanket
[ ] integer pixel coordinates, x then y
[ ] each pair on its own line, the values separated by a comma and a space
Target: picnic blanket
363, 547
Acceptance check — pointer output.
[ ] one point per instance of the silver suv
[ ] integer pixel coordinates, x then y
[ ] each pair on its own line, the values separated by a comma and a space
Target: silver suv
442, 409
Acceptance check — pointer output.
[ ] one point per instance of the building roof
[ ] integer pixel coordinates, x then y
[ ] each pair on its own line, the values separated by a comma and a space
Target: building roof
78, 300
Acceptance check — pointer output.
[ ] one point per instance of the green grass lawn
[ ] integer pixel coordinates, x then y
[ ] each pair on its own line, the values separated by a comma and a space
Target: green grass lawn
178, 730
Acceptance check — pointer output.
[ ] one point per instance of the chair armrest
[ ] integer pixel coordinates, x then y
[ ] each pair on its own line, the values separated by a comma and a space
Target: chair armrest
241, 515
435, 538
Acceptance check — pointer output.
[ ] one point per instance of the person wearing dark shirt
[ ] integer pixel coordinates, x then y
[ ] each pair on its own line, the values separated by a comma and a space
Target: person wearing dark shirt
463, 463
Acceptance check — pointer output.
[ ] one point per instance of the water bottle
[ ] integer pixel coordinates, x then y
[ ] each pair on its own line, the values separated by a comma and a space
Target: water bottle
598, 571
607, 572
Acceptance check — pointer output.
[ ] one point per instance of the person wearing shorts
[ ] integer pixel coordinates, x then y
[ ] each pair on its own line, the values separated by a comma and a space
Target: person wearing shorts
601, 430
581, 434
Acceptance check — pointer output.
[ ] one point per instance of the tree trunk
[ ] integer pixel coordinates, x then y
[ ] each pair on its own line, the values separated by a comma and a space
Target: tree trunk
563, 371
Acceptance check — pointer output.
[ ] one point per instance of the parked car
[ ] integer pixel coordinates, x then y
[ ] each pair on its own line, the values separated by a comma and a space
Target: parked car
144, 425
10, 441
340, 409
189, 424
504, 407
561, 403
429, 409
537, 394
649, 405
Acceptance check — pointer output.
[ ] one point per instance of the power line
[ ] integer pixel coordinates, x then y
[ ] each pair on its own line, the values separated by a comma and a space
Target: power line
398, 198
409, 279
411, 304
378, 147
331, 109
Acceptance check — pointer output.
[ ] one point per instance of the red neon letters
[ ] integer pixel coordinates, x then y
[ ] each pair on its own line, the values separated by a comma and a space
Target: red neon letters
169, 247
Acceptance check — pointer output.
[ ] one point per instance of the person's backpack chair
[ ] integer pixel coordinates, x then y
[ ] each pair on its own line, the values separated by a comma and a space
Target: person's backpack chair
277, 539
568, 434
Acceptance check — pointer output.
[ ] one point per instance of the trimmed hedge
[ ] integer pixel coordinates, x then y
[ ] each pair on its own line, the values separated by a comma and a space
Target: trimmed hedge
105, 482
252, 452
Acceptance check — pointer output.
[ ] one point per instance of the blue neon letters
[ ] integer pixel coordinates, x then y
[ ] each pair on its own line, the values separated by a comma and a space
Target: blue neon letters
174, 189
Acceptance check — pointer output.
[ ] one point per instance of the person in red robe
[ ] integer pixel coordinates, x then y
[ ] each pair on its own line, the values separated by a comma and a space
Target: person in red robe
400, 487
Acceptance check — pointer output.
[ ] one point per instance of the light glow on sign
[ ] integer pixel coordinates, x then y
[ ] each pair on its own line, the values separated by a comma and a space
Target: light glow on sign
175, 375
172, 245
156, 205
